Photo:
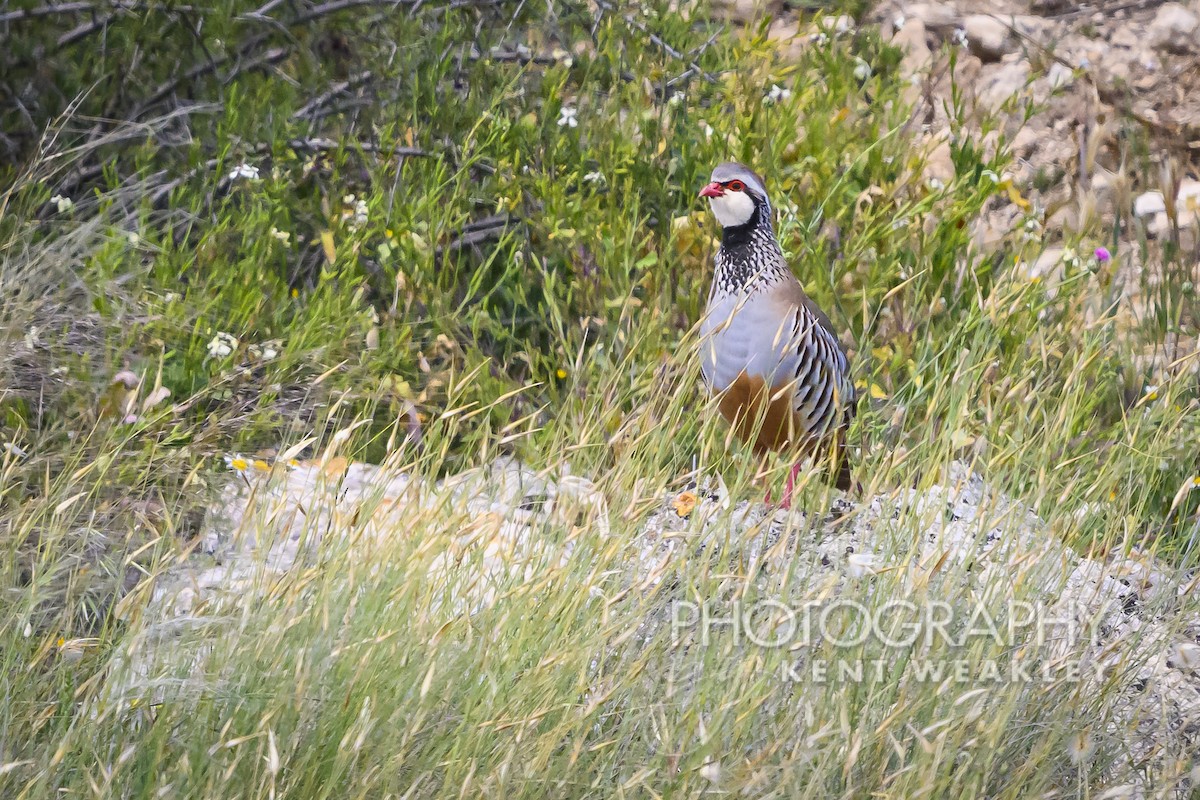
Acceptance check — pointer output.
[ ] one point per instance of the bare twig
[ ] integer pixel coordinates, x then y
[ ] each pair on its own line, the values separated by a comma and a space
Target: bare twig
324, 145
658, 41
166, 89
274, 55
325, 9
517, 57
261, 12
479, 231
159, 196
66, 9
322, 99
84, 30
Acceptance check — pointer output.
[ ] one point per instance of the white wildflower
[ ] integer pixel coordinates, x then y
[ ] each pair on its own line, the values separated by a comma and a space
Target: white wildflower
1150, 393
706, 129
568, 116
595, 176
991, 176
63, 204
223, 344
283, 236
676, 99
357, 213
1031, 230
244, 171
778, 93
265, 352
898, 21
819, 38
960, 37
862, 70
244, 465
134, 238
935, 184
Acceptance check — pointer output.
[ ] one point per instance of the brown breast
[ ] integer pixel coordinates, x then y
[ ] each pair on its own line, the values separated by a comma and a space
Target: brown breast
749, 400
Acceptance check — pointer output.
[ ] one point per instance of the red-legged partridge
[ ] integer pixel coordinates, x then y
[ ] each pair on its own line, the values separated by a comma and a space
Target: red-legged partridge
766, 349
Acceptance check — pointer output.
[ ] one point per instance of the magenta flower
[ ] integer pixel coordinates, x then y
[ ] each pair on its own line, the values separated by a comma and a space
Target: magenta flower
1102, 254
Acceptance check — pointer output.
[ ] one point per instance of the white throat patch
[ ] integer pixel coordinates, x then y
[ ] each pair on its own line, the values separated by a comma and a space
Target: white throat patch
732, 208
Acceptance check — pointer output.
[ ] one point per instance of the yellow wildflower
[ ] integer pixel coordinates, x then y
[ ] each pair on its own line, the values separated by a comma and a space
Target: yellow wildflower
237, 463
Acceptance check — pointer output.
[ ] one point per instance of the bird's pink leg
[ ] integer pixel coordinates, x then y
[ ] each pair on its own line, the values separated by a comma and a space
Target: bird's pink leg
786, 502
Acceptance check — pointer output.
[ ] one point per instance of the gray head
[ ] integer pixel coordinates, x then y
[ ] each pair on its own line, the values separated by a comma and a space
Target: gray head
734, 193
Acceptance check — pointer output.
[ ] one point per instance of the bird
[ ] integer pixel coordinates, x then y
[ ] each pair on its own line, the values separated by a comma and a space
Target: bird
768, 352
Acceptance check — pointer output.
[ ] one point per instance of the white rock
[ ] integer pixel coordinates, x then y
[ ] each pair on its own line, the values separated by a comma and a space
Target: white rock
786, 37
989, 231
1149, 203
988, 37
911, 39
1187, 202
1033, 26
746, 10
836, 25
1046, 263
1159, 224
1174, 29
939, 161
1027, 140
1126, 36
1059, 76
1185, 656
936, 16
997, 83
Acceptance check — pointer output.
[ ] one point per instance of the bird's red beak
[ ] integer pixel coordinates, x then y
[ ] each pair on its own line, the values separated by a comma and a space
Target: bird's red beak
712, 190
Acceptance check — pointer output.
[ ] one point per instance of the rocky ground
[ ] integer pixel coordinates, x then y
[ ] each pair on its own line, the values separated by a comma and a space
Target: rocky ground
1142, 617
1098, 104
1066, 83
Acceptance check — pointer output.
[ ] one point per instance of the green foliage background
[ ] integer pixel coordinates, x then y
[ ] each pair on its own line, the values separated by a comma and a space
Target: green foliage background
431, 244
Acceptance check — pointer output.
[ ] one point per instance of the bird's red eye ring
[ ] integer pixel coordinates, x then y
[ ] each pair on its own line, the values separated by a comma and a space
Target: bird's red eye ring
735, 186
